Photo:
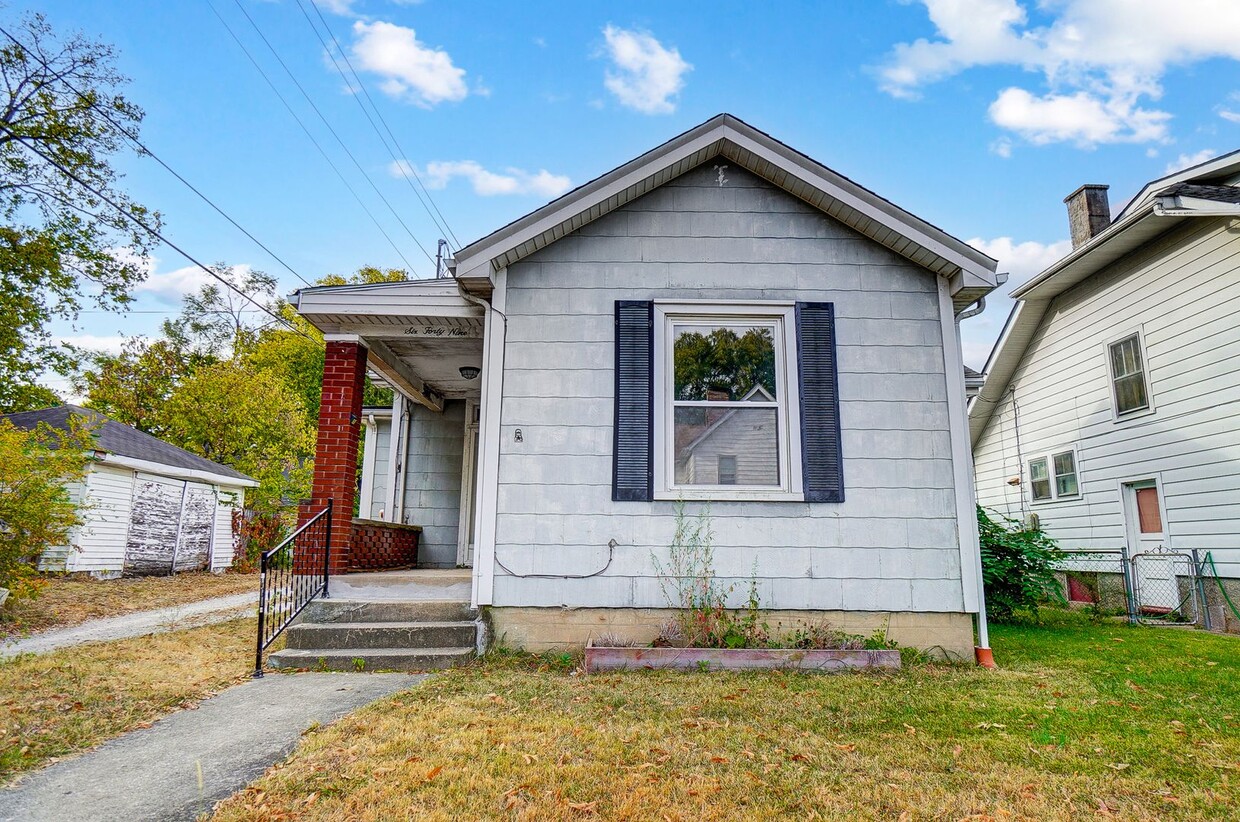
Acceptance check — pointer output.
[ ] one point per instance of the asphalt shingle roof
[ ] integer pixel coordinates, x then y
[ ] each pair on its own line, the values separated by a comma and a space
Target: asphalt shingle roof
120, 439
1219, 194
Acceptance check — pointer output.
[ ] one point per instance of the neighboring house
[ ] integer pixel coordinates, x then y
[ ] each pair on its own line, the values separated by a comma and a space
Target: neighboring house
545, 438
149, 507
1111, 405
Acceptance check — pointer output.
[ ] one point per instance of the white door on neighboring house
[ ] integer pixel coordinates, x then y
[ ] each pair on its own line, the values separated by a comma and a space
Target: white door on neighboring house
469, 488
1158, 589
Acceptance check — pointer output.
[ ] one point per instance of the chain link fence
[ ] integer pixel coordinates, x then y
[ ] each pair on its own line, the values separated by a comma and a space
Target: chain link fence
1158, 587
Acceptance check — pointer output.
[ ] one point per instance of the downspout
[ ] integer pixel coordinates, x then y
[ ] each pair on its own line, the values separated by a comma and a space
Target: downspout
982, 653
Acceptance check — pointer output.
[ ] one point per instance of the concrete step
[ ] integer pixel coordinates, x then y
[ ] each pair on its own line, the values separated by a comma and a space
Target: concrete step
371, 659
412, 635
351, 610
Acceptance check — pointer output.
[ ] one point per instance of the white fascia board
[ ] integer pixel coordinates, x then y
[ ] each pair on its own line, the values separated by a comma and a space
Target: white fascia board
1082, 252
881, 211
979, 267
1194, 207
1004, 359
177, 472
1219, 166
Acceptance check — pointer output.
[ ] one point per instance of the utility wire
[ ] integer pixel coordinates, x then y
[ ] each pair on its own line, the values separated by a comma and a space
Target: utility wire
402, 164
153, 232
133, 138
308, 134
332, 130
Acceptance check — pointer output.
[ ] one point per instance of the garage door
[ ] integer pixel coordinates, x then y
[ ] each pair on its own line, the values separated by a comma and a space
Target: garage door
170, 524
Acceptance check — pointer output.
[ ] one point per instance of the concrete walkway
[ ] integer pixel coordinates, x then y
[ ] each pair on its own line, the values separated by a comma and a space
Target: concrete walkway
141, 623
185, 763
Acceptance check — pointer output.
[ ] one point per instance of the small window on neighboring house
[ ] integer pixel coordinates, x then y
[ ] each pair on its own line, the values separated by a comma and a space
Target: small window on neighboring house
1128, 376
727, 469
1065, 474
1039, 479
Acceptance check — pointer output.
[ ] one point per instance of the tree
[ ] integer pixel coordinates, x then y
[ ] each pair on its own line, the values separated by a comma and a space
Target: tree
66, 224
722, 360
133, 386
36, 510
222, 322
249, 420
366, 275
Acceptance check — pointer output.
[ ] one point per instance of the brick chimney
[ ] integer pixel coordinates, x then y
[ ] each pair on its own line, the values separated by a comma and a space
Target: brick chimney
1089, 213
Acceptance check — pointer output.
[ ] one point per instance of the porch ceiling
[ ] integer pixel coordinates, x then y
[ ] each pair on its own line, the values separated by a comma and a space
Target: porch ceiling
438, 362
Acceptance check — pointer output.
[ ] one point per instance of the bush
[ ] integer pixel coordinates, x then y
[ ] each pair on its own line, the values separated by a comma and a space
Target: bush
1016, 567
36, 511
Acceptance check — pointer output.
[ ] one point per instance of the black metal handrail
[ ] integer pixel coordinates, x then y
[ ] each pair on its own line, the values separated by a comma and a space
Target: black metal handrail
290, 576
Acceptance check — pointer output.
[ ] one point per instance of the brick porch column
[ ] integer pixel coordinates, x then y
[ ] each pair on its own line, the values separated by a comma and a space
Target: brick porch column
340, 428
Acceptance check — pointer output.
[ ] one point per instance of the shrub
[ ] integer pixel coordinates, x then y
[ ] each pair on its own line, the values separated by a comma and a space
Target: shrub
36, 510
1016, 567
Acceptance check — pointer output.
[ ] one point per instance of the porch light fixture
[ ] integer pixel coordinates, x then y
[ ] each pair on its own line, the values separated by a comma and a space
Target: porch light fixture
470, 372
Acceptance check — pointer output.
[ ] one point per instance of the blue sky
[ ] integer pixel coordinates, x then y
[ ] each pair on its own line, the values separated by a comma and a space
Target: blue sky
977, 116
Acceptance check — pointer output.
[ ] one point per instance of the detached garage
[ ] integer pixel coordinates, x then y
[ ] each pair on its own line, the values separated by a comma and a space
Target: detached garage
150, 508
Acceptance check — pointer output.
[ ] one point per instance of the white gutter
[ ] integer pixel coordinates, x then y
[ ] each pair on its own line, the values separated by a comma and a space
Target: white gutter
177, 472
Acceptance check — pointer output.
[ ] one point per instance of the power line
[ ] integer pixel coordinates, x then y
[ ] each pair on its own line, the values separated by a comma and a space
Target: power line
155, 233
308, 134
142, 148
442, 222
332, 130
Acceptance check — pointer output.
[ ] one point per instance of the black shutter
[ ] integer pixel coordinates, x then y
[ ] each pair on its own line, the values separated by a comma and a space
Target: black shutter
633, 467
822, 464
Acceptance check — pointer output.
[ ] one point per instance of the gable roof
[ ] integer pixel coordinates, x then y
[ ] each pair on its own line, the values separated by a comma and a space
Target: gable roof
126, 441
971, 272
1162, 205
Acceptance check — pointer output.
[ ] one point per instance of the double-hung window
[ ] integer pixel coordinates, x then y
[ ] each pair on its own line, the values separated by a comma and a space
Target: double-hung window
719, 400
726, 415
1129, 386
1054, 476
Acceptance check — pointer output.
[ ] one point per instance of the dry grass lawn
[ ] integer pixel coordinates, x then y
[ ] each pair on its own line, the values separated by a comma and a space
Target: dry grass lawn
75, 698
1082, 721
66, 601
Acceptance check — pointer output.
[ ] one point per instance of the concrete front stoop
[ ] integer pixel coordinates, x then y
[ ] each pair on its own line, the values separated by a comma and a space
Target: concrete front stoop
358, 635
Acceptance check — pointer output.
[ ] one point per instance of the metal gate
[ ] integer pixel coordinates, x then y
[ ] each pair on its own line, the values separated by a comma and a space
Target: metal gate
1156, 587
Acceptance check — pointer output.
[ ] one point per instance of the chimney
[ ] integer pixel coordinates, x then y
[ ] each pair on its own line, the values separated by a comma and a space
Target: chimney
1089, 213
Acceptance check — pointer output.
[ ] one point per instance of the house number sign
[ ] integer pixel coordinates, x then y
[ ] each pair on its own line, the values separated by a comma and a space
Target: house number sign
437, 331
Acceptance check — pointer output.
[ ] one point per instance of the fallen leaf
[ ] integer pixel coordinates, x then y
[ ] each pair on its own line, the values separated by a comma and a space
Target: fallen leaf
1118, 766
849, 747
722, 760
433, 772
584, 807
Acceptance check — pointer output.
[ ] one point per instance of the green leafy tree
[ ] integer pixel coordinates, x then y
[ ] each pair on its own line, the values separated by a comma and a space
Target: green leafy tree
67, 229
1017, 567
36, 510
723, 360
133, 386
249, 420
222, 322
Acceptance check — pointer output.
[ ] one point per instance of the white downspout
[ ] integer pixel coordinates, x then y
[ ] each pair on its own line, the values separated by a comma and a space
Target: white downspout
982, 652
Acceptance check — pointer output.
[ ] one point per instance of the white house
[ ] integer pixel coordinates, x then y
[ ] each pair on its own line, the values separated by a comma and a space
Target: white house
150, 507
547, 419
1111, 402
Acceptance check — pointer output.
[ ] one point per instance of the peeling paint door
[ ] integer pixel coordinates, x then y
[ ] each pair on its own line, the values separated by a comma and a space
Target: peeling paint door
170, 524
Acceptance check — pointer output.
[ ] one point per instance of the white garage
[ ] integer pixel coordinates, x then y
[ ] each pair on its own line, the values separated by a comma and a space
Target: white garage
150, 508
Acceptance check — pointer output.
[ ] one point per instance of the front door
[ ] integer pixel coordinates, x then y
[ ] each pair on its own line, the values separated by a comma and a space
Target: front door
1158, 590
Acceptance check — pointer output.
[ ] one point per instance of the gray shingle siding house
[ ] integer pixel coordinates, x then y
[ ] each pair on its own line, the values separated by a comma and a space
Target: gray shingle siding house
613, 326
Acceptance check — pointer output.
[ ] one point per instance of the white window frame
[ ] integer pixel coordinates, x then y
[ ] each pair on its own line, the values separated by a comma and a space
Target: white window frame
787, 390
1116, 415
1049, 456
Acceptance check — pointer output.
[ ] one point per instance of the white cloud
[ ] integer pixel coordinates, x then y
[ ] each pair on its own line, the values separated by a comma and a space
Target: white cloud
1188, 160
410, 70
1022, 260
1099, 59
1229, 115
171, 286
1080, 118
487, 183
341, 7
1002, 147
108, 344
644, 74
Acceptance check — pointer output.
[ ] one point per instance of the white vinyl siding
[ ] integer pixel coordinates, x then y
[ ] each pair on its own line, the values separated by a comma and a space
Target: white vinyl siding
1183, 292
100, 543
891, 546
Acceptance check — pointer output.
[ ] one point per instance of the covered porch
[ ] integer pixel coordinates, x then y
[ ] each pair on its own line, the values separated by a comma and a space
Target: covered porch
413, 504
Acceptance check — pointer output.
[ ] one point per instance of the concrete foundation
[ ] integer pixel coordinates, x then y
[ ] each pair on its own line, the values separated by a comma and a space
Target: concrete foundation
547, 629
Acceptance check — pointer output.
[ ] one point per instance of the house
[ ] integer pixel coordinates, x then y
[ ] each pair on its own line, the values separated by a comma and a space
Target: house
1111, 402
150, 508
721, 320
